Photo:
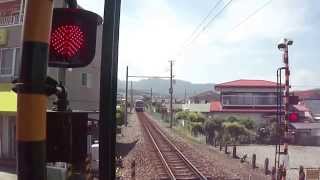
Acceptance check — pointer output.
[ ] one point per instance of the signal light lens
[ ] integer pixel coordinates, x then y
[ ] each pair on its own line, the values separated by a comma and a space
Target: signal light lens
293, 117
73, 37
67, 40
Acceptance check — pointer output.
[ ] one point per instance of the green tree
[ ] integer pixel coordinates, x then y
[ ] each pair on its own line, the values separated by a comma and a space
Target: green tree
182, 115
248, 123
232, 119
235, 130
211, 128
196, 117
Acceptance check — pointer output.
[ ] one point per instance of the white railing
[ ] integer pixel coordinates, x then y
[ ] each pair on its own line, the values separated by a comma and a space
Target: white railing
249, 100
10, 20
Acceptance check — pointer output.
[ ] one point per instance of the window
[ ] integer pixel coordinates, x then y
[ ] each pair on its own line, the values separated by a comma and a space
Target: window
86, 80
7, 60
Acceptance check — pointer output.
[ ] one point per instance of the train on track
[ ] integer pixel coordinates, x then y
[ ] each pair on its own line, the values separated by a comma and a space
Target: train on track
139, 106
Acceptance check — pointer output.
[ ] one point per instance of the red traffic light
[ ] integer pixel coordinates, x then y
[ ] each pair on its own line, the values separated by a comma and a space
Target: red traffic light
73, 37
67, 40
293, 117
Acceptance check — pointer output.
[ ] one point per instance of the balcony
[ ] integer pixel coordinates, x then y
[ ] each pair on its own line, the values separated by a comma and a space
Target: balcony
249, 100
11, 20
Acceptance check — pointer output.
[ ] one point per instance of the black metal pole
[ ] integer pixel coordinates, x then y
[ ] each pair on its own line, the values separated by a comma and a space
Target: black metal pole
277, 119
131, 98
171, 93
126, 103
280, 117
108, 90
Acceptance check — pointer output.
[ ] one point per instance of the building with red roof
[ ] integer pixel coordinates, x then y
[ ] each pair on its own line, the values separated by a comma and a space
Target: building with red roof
244, 98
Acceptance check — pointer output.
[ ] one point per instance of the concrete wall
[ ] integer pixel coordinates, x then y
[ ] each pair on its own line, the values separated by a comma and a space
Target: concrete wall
197, 107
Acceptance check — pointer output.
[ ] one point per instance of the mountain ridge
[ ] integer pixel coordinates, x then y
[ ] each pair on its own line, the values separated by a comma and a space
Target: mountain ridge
161, 87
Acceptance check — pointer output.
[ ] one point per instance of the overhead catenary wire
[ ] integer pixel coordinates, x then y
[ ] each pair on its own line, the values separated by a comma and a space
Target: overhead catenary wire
236, 26
251, 15
211, 21
203, 21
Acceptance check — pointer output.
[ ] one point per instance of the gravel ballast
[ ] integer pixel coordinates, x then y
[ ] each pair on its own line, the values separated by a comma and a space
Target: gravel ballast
134, 146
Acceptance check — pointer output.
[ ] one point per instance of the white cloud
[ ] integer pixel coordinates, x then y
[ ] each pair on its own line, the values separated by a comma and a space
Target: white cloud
149, 39
305, 79
277, 19
151, 33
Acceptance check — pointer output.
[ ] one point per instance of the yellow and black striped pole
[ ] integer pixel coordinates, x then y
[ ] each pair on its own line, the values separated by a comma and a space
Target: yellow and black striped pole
32, 100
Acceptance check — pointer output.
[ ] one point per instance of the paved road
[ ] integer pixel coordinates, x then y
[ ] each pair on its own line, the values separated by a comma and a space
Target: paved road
306, 156
7, 176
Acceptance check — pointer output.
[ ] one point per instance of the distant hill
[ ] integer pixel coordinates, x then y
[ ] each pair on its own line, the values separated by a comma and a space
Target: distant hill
206, 96
161, 87
308, 94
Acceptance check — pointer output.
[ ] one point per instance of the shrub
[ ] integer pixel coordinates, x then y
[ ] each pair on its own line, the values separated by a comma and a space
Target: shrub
120, 116
182, 115
248, 123
211, 128
196, 129
235, 130
196, 117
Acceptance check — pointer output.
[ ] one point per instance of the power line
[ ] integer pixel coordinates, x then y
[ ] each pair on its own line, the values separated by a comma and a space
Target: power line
251, 15
203, 20
236, 26
211, 20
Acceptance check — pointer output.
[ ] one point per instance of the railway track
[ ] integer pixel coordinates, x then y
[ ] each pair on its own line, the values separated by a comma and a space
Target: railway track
175, 164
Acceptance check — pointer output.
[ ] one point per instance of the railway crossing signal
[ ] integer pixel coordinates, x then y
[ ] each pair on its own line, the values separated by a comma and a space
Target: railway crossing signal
73, 37
293, 117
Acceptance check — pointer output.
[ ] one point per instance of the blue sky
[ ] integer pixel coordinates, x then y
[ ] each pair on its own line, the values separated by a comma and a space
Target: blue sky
152, 32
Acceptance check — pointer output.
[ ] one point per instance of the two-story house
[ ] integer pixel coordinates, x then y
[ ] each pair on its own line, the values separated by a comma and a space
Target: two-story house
82, 83
254, 99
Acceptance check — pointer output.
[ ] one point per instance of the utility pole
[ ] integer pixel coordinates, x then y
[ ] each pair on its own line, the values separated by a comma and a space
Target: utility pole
126, 102
171, 93
185, 95
32, 98
151, 99
131, 92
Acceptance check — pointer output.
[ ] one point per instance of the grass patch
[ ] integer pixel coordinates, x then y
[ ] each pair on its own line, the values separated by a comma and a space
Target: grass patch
179, 130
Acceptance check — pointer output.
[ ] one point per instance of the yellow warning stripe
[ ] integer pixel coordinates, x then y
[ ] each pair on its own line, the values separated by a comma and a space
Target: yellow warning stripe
31, 117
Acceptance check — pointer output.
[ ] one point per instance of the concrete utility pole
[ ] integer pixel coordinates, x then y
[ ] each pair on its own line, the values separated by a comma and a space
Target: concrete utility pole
126, 102
131, 92
32, 98
185, 95
151, 99
171, 93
